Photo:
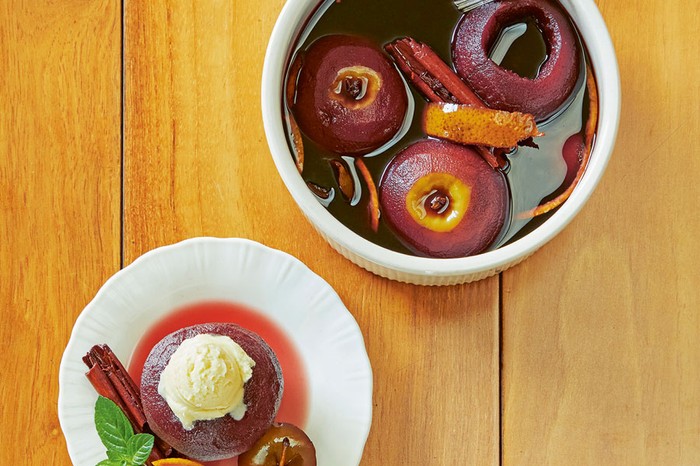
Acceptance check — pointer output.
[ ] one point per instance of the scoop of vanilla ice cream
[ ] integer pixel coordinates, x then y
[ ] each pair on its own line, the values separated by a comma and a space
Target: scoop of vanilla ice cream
205, 379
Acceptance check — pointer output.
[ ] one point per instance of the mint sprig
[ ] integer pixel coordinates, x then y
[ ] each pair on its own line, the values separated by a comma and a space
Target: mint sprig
124, 448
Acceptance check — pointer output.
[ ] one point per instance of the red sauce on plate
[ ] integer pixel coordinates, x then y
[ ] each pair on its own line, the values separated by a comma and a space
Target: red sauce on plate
295, 400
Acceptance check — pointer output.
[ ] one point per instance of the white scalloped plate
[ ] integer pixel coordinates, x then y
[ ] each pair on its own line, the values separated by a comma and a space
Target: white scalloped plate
276, 284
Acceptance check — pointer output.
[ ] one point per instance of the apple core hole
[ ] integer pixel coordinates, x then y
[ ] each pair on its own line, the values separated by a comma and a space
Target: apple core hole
520, 47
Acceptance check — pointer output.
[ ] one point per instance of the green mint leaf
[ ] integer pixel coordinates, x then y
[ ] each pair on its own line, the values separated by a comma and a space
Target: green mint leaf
117, 456
139, 447
113, 427
112, 463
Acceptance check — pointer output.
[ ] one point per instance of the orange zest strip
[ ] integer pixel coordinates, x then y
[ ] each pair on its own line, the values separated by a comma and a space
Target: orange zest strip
176, 462
465, 124
297, 143
373, 205
344, 179
591, 125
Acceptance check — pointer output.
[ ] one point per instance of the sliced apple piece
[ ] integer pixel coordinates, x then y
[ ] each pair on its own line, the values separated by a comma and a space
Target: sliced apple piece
443, 200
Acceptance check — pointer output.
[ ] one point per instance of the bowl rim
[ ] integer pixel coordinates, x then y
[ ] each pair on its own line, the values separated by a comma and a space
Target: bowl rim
74, 423
593, 30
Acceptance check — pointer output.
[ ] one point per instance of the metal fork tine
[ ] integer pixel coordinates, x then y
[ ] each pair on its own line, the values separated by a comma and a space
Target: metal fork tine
467, 5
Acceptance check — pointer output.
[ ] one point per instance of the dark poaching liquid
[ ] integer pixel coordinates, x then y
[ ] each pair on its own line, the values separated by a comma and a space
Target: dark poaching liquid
534, 175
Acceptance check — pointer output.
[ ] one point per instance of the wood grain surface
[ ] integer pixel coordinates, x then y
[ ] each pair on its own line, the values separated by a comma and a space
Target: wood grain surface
60, 109
585, 354
601, 329
197, 163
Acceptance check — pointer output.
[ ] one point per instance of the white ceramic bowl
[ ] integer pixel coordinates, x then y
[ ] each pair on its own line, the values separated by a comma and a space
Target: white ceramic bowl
429, 271
270, 282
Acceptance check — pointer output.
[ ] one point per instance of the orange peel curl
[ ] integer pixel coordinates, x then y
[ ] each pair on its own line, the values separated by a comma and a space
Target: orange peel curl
465, 124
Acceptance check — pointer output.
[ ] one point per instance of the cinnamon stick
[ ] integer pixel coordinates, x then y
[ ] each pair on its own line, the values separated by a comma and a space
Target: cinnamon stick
432, 76
438, 83
111, 380
101, 358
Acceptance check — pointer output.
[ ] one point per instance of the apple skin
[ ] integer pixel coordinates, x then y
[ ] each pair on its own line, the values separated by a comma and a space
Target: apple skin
488, 205
503, 89
572, 153
340, 117
223, 437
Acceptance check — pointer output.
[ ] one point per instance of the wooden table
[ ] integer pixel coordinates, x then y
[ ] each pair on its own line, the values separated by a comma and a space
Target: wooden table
127, 126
